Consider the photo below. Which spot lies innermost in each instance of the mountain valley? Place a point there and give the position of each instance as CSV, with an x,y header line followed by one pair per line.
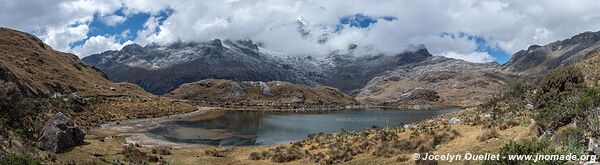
x,y
214,77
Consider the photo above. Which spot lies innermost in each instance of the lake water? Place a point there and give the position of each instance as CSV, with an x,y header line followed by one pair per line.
x,y
266,128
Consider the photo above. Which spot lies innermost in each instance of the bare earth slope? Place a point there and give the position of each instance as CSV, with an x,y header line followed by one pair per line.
x,y
39,70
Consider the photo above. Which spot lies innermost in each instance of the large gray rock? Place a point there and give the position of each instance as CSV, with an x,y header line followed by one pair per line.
x,y
59,134
265,89
594,145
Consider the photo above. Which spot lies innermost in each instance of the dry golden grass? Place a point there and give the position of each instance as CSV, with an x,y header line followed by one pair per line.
x,y
249,93
449,97
115,109
464,140
41,71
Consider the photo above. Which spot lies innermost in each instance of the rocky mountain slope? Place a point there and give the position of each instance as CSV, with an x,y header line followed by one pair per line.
x,y
160,69
411,78
437,82
273,93
539,60
38,70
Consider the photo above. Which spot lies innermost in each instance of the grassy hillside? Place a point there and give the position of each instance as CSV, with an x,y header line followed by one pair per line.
x,y
272,94
38,70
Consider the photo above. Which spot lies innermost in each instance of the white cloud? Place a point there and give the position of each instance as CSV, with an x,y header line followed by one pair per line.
x,y
510,24
60,38
98,44
112,20
479,57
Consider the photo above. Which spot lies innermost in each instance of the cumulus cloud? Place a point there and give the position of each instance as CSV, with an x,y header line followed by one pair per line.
x,y
112,20
60,38
98,44
510,25
478,57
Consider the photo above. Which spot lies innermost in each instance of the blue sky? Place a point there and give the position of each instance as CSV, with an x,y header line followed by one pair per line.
x,y
133,23
483,45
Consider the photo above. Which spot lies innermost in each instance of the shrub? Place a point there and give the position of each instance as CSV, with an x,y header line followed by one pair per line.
x,y
134,155
282,154
9,95
592,122
405,145
217,152
340,154
260,155
385,150
588,111
508,124
403,158
19,159
562,98
527,147
425,162
456,133
10,99
316,158
488,134
425,146
515,95
558,82
443,137
535,129
570,138
518,89
161,150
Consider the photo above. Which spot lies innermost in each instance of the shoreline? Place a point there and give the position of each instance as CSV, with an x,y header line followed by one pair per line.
x,y
132,130
204,110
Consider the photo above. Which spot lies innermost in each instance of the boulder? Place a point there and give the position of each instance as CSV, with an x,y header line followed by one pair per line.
x,y
455,121
594,146
59,134
529,106
265,89
487,115
422,107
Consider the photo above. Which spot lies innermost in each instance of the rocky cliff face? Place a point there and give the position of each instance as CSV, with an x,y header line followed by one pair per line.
x,y
539,60
38,70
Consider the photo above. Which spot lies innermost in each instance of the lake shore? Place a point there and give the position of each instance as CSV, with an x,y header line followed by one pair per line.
x,y
105,146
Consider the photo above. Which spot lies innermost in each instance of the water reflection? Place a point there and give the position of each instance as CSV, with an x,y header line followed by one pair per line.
x,y
265,128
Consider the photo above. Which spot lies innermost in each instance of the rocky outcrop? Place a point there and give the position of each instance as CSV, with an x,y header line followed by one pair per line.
x,y
59,134
539,60
273,93
436,81
265,89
